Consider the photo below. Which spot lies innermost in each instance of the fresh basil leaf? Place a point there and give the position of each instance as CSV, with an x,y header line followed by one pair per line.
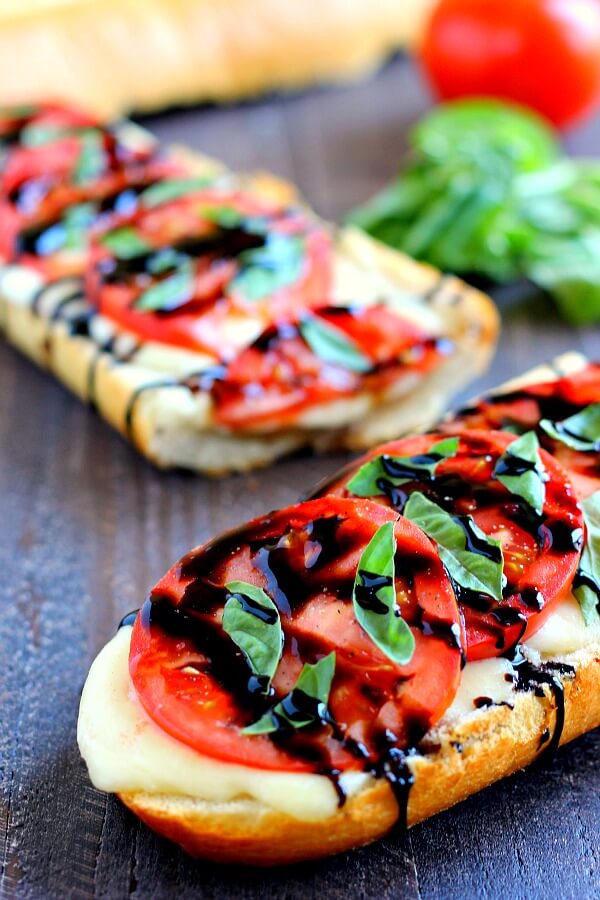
x,y
587,580
267,269
374,598
125,242
479,569
37,134
251,620
92,159
172,189
399,470
580,432
169,294
332,346
224,216
521,471
305,705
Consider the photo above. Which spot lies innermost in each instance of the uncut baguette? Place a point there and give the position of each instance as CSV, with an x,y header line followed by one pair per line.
x,y
172,427
458,759
117,56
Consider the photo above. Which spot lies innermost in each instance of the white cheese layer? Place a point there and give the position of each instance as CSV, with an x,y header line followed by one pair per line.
x,y
126,751
564,632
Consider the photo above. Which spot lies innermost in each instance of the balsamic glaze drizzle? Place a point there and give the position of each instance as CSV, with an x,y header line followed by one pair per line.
x,y
536,678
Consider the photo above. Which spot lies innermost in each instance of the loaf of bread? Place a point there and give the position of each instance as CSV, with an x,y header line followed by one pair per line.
x,y
115,56
506,712
155,392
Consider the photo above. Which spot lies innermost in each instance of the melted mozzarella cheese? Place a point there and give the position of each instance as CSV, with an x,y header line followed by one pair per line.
x,y
126,751
564,632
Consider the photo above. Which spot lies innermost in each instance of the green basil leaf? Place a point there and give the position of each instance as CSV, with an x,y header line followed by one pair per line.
x,y
251,620
400,469
169,294
172,189
92,158
125,242
521,471
36,135
374,598
580,432
267,269
333,346
587,580
77,221
479,570
305,705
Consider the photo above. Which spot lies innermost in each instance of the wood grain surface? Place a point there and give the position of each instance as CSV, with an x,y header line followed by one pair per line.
x,y
87,526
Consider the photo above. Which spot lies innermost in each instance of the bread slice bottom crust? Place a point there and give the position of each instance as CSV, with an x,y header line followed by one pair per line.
x,y
457,761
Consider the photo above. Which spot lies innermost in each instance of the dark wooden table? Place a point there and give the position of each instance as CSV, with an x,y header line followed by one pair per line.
x,y
86,527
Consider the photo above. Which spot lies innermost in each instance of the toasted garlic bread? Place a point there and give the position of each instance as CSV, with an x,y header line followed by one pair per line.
x,y
142,386
506,712
160,53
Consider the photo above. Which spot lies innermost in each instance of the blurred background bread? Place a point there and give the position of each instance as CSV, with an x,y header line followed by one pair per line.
x,y
117,56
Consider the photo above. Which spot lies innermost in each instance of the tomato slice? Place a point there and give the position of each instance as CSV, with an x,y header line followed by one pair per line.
x,y
541,553
523,409
54,188
238,265
276,378
194,682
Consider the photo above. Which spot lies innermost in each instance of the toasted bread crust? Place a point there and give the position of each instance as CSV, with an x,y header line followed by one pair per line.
x,y
169,424
459,760
165,52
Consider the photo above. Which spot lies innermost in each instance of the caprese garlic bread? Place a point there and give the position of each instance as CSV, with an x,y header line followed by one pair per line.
x,y
425,626
210,317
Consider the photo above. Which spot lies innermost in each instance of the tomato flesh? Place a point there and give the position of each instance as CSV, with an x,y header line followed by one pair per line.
x,y
188,225
41,182
194,682
523,409
541,555
274,380
541,53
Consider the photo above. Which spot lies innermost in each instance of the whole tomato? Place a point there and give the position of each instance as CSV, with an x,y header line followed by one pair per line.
x,y
542,53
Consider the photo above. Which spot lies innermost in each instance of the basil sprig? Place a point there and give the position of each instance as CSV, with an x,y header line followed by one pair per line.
x,y
587,580
333,346
267,269
169,294
172,189
580,432
398,470
92,158
251,620
306,704
125,242
374,598
521,471
473,560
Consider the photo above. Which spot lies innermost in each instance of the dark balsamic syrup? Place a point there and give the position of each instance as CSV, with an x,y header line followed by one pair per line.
x,y
128,619
531,677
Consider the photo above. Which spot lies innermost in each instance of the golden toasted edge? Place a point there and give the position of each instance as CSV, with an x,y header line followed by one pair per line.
x,y
460,761
159,53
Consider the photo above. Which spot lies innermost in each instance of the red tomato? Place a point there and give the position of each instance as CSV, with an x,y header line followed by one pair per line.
x,y
39,184
524,408
541,53
279,375
194,682
214,252
541,554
